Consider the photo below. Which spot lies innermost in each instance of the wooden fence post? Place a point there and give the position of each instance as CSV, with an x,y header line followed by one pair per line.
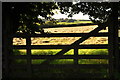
x,y
113,41
7,42
28,44
116,41
76,55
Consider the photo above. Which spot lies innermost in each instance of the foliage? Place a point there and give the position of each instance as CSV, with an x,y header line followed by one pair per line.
x,y
26,14
98,11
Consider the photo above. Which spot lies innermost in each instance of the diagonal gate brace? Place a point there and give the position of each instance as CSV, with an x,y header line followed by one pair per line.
x,y
75,44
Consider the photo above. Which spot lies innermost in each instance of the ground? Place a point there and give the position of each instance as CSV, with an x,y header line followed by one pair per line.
x,y
65,40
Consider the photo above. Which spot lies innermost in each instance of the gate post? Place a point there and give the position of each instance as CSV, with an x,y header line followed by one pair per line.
x,y
29,61
113,41
6,42
76,55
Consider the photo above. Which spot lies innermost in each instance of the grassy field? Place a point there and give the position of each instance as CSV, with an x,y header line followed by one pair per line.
x,y
66,61
70,52
50,23
76,22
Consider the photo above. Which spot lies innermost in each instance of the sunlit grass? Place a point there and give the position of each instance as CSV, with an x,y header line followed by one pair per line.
x,y
93,51
65,23
92,61
55,51
65,61
44,51
76,22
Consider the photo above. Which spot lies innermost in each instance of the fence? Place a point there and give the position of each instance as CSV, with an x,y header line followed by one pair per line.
x,y
75,70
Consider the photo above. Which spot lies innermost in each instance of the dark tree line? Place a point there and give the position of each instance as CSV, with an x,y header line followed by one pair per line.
x,y
98,11
25,15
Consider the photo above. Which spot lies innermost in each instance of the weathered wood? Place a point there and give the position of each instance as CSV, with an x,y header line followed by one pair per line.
x,y
112,40
119,39
62,57
73,75
76,56
29,57
89,66
97,46
7,29
103,34
115,26
58,75
76,43
112,56
29,69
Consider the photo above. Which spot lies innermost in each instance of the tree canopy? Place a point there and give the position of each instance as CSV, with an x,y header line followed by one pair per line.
x,y
98,12
26,14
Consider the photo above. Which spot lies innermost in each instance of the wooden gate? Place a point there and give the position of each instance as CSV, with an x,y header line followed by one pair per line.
x,y
63,71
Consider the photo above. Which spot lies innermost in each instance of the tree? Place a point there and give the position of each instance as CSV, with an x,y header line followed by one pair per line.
x,y
25,15
98,12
